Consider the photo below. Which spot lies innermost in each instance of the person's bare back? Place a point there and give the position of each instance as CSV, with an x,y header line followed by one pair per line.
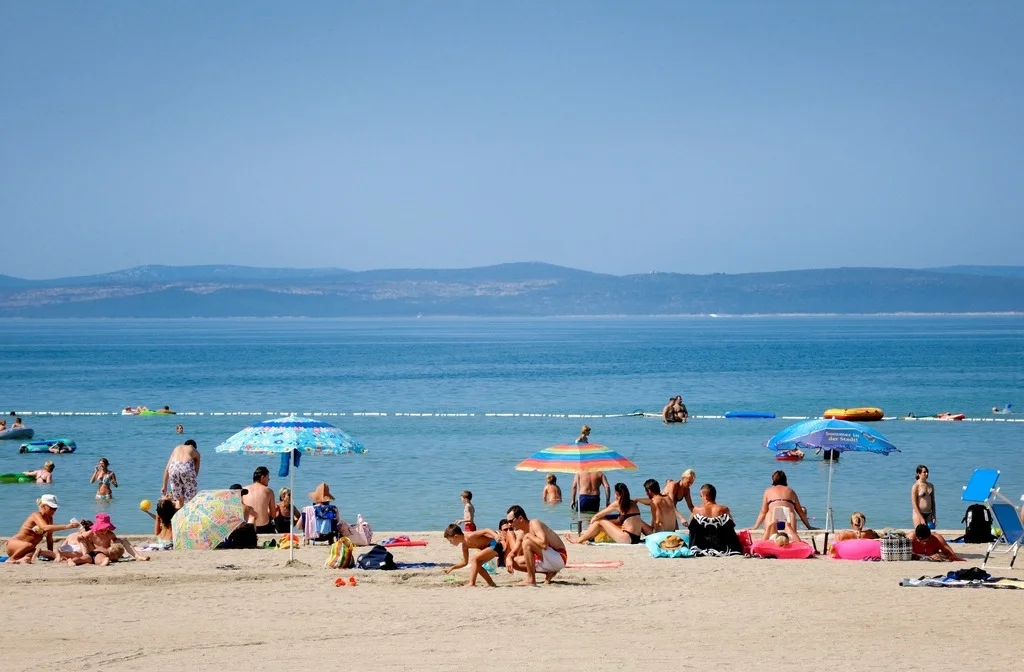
x,y
260,499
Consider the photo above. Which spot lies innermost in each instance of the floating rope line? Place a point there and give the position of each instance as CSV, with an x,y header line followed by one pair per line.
x,y
406,414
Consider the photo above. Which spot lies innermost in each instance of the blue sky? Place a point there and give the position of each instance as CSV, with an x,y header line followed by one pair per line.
x,y
620,137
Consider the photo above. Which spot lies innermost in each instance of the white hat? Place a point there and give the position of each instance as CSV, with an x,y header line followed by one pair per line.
x,y
50,501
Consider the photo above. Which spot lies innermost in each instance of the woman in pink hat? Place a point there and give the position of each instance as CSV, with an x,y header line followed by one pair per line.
x,y
22,546
107,546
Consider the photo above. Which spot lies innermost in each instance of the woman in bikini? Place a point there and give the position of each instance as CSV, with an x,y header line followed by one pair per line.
x,y
44,475
625,529
922,499
22,546
780,495
106,478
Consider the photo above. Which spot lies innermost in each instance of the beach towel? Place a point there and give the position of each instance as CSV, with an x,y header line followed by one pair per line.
x,y
664,545
402,541
421,565
600,564
972,577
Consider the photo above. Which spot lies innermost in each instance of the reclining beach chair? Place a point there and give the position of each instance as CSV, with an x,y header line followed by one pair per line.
x,y
1012,532
982,486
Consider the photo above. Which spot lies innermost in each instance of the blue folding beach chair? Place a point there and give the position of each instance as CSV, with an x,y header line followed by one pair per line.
x,y
1012,532
982,486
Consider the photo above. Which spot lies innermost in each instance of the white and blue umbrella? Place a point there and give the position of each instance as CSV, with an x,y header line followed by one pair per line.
x,y
838,435
292,435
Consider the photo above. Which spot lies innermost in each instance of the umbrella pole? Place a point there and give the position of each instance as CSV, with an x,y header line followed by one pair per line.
x,y
291,518
829,523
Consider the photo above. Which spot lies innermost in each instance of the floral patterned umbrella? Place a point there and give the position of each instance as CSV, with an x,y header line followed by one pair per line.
x,y
207,519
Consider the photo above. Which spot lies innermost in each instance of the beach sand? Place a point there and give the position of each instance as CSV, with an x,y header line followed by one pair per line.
x,y
248,610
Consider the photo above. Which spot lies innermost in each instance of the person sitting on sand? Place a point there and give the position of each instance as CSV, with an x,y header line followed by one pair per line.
x,y
679,491
487,542
21,548
664,515
625,529
288,514
165,510
106,478
536,548
108,546
857,522
77,548
552,493
261,498
780,495
712,528
508,537
44,475
928,545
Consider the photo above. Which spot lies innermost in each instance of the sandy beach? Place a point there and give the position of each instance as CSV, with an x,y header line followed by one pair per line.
x,y
230,609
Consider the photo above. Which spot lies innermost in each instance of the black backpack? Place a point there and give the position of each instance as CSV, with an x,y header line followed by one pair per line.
x,y
979,525
243,536
377,557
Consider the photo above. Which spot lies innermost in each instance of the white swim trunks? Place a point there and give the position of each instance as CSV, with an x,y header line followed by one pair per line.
x,y
551,561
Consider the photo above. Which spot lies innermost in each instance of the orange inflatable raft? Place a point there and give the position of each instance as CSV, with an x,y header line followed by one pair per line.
x,y
854,414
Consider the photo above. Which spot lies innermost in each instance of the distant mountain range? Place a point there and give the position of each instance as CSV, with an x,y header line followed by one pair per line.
x,y
520,289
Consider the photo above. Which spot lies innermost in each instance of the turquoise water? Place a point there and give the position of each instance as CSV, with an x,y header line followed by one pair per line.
x,y
417,465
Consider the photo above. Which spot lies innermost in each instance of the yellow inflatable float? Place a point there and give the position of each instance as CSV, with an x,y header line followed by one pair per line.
x,y
854,414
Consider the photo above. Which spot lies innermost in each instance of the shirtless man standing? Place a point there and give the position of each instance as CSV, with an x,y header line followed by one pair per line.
x,y
536,548
679,491
181,475
261,498
664,515
588,487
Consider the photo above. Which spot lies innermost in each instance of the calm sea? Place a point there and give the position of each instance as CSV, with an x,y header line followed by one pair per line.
x,y
542,369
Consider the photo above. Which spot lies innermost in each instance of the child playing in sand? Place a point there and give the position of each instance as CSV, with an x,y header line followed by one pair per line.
x,y
108,547
44,475
486,542
468,513
552,493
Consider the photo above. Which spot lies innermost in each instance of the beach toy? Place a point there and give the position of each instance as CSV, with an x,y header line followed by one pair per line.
x,y
17,478
857,549
491,566
339,582
145,505
871,414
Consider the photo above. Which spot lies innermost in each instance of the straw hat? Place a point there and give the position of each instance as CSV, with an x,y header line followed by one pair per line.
x,y
321,494
670,542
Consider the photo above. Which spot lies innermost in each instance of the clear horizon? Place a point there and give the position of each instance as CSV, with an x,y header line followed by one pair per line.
x,y
670,137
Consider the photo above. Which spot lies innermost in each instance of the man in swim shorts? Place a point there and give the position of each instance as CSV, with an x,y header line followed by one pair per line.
x,y
588,487
260,497
181,475
536,548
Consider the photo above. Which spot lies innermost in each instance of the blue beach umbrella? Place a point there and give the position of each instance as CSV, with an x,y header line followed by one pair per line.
x,y
838,435
292,435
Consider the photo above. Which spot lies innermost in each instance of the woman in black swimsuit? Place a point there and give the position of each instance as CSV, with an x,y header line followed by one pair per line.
x,y
625,529
281,521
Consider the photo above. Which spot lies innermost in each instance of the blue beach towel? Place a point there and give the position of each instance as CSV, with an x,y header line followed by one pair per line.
x,y
653,542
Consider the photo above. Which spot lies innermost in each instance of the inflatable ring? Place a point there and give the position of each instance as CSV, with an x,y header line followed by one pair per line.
x,y
798,550
17,478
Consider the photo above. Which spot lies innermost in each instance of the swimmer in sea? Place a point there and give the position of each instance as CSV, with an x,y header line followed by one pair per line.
x,y
44,475
106,478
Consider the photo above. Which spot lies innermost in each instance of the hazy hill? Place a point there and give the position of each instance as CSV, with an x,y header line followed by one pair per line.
x,y
507,289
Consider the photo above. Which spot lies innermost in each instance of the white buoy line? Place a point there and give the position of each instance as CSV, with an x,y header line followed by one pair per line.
x,y
406,414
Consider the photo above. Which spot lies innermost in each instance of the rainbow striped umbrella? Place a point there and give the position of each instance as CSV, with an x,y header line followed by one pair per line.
x,y
576,458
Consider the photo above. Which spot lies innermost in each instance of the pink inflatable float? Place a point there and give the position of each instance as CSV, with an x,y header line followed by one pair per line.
x,y
857,549
798,550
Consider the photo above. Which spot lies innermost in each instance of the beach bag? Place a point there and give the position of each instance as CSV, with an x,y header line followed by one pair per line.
x,y
895,546
243,536
978,529
360,533
341,555
377,557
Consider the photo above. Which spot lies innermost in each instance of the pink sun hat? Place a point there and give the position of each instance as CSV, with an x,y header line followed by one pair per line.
x,y
102,523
